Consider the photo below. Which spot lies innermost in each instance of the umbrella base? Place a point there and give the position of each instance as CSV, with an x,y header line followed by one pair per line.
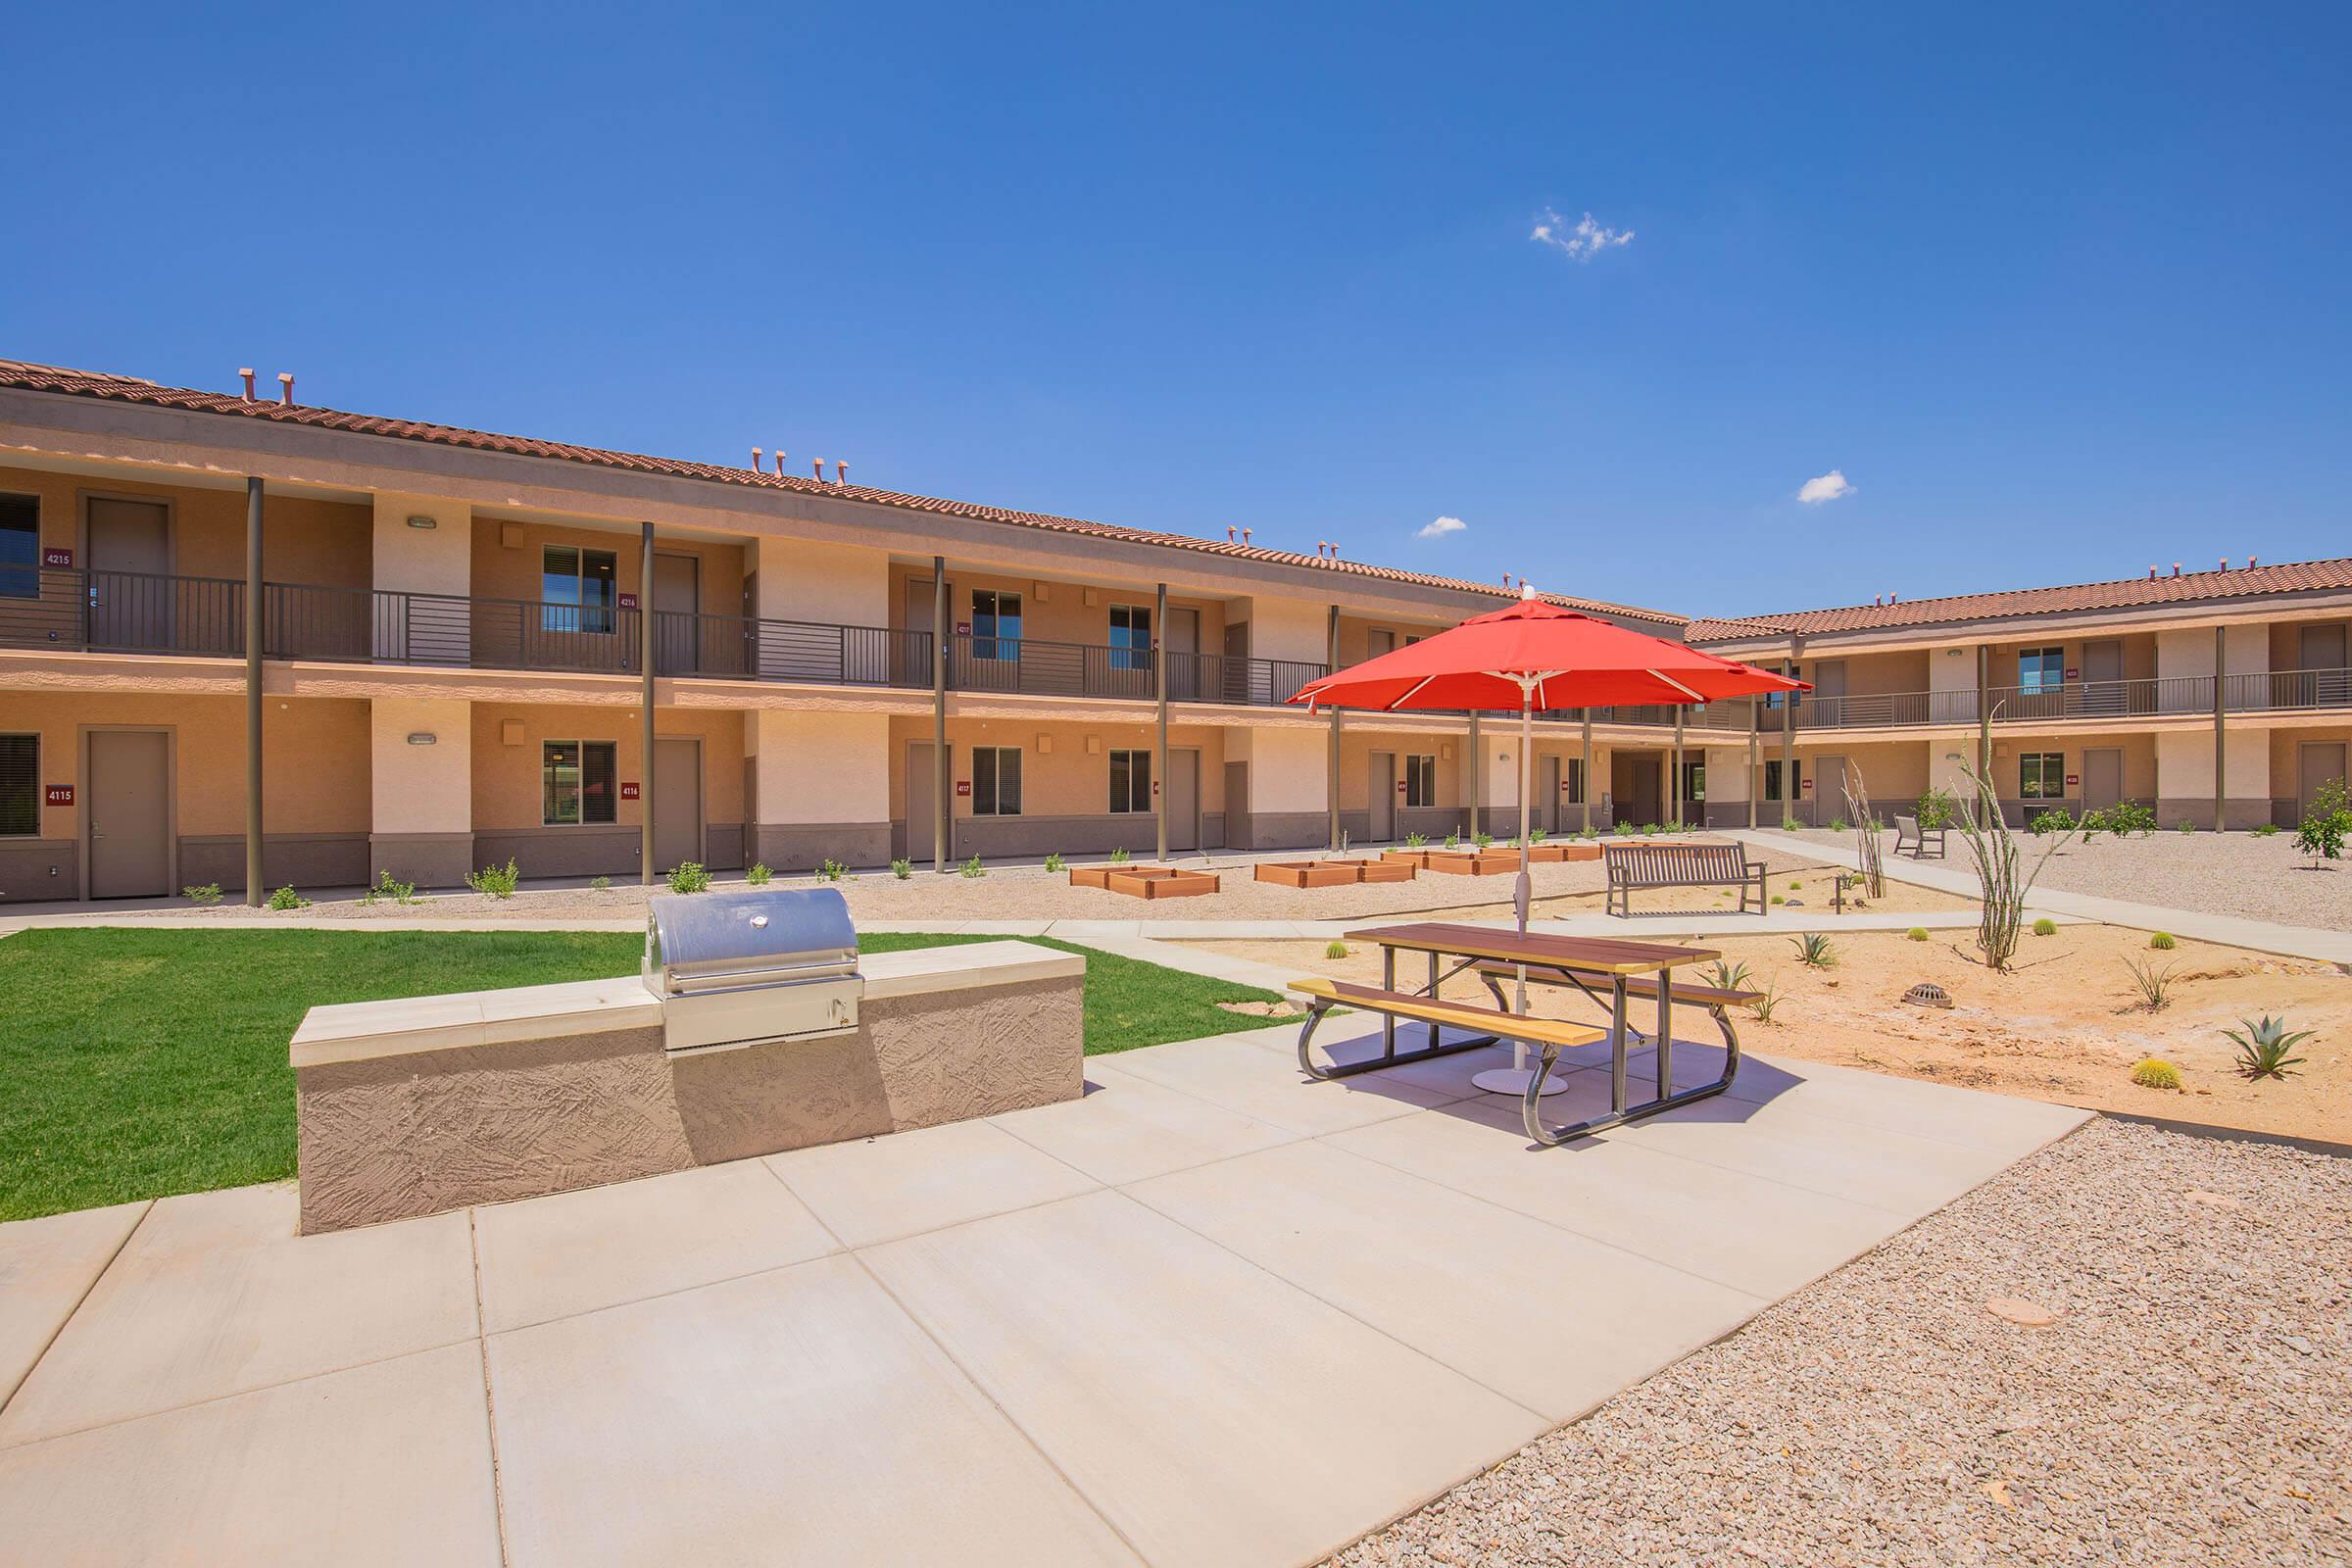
x,y
1513,1081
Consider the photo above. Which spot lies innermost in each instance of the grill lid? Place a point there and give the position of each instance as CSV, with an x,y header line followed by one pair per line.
x,y
783,932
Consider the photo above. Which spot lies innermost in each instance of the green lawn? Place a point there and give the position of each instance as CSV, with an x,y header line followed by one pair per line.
x,y
136,1064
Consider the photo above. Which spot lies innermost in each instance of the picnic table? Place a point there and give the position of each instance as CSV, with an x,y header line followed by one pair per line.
x,y
1504,958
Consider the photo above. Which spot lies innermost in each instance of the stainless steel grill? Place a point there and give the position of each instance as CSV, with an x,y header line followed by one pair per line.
x,y
743,968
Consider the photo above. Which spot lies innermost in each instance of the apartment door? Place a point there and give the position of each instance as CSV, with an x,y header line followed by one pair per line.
x,y
129,814
677,802
677,614
1827,697
922,800
1237,681
127,545
2102,772
1237,806
2325,682
1381,792
2318,762
1639,793
1829,789
2102,690
1183,785
912,661
1546,802
1182,645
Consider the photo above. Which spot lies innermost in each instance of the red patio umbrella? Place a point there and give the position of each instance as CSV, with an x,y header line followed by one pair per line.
x,y
1535,656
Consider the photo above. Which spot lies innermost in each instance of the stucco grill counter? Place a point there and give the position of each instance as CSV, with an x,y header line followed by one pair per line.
x,y
740,968
754,1026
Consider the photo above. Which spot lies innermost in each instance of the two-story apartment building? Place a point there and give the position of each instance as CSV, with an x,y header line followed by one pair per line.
x,y
374,645
234,628
2222,698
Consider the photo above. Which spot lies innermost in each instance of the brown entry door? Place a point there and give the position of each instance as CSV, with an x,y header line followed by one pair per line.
x,y
2323,680
129,813
677,614
2318,762
1184,799
2102,689
922,802
2102,777
677,802
1382,797
130,554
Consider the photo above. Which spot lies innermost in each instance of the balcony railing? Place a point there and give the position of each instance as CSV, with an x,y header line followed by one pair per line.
x,y
2287,689
120,611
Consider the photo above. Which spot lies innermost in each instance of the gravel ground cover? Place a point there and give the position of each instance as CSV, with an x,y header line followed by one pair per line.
x,y
2190,1402
2260,877
1031,893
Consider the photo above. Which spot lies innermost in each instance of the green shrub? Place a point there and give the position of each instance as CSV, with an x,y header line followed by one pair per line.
x,y
1938,807
1789,824
2151,1073
2155,985
493,881
1780,898
2326,823
901,869
1537,835
1414,841
2045,927
832,870
286,899
2129,817
2262,1050
1650,830
1453,841
689,877
1117,856
1918,933
972,867
1839,824
1625,830
1814,951
759,875
1768,999
602,884
385,888
1055,863
2056,820
1482,840
2266,830
209,892
1588,833
2162,942
1334,950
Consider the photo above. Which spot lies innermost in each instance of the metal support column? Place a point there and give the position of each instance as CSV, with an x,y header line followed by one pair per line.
x,y
943,808
1984,808
1755,759
1675,767
1330,784
1160,685
645,703
253,892
2219,738
1789,790
1477,770
1586,801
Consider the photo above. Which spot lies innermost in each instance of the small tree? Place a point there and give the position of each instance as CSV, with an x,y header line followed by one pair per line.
x,y
1936,807
2326,823
2001,886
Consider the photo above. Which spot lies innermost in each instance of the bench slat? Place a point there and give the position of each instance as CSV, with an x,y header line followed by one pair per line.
x,y
1638,985
1426,1009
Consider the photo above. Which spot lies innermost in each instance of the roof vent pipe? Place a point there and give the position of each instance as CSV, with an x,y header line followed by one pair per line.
x,y
247,374
841,473
1228,533
779,463
817,468
758,459
2225,562
2151,574
2252,562
1244,536
285,389
2176,569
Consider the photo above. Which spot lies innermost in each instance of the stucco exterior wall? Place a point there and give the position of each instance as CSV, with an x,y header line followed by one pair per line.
x,y
303,540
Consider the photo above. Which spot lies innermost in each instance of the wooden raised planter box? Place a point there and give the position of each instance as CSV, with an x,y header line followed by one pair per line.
x,y
1575,850
1159,882
1098,876
1310,873
1467,863
1335,873
1416,858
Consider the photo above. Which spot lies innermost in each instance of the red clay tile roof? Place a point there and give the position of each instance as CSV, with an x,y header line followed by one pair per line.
x,y
2286,577
131,389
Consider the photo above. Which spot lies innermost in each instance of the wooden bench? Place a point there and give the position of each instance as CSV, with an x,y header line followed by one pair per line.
x,y
1907,832
1646,866
1550,1035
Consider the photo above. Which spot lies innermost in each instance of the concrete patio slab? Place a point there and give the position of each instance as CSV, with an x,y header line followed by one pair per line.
x,y
215,1293
1213,1412
1126,1128
1231,1070
793,1417
47,1266
880,1189
1752,1234
387,1463
1548,1319
573,1253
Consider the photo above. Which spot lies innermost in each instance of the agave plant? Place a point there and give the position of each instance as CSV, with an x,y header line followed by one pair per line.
x,y
2262,1050
2154,985
1730,976
1814,951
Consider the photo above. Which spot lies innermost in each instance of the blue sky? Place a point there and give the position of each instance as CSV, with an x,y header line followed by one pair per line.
x,y
2060,291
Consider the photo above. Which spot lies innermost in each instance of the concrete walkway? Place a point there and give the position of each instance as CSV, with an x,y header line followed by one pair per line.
x,y
2229,930
1212,1313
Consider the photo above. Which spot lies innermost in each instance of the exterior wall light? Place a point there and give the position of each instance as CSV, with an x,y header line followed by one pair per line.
x,y
420,520
423,738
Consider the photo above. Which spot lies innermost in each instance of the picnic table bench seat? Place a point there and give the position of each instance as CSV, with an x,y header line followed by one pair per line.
x,y
1549,1035
1633,867
1717,1000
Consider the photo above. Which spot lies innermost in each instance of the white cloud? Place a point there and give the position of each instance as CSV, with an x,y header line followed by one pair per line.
x,y
1581,241
1825,487
1439,527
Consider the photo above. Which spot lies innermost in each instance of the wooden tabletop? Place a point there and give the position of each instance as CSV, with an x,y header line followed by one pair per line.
x,y
1603,954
